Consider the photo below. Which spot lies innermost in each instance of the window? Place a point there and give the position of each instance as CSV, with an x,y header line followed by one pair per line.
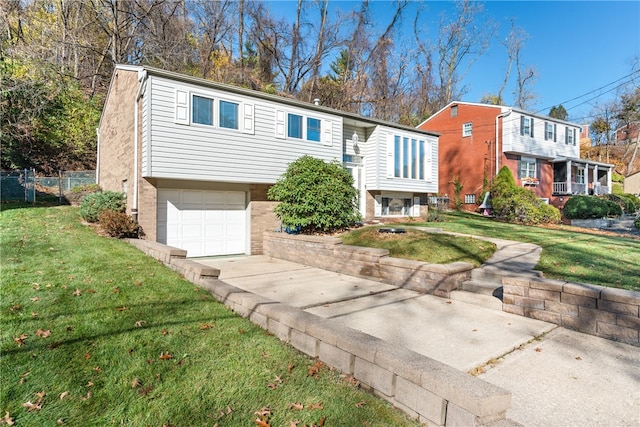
x,y
467,129
228,115
294,126
313,129
580,176
202,110
454,111
549,131
570,136
396,206
527,168
410,158
470,198
526,126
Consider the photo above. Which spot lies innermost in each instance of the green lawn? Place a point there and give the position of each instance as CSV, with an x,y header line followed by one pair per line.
x,y
95,333
578,256
421,246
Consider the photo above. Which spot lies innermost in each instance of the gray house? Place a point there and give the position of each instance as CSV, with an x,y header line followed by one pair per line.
x,y
196,158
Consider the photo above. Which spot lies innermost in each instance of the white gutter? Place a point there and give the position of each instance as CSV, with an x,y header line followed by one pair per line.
x,y
498,117
142,78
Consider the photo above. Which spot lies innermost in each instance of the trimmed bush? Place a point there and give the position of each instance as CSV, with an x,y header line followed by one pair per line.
x,y
315,196
630,203
588,207
94,204
637,223
119,224
520,205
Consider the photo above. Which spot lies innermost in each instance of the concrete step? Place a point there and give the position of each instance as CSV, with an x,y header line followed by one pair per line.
x,y
481,287
492,275
482,300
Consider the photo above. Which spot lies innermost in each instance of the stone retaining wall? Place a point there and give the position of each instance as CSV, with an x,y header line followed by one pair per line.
x,y
596,310
328,253
424,388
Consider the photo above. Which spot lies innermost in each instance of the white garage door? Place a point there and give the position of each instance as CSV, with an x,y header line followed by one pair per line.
x,y
203,222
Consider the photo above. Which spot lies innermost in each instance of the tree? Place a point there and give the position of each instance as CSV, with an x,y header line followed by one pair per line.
x,y
315,196
559,113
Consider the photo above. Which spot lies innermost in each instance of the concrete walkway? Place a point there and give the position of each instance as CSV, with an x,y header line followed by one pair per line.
x,y
556,376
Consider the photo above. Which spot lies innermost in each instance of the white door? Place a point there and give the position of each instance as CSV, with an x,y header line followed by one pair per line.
x,y
203,222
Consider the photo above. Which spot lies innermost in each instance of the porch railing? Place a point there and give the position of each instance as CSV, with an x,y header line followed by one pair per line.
x,y
561,188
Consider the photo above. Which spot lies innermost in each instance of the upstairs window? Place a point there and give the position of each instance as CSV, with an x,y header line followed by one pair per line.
x,y
228,115
202,110
294,126
526,126
410,158
313,129
467,129
570,136
454,111
549,131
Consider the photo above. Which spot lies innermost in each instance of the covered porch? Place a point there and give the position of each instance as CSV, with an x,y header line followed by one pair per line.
x,y
581,176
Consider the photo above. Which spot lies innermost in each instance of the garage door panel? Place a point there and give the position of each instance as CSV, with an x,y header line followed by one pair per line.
x,y
203,222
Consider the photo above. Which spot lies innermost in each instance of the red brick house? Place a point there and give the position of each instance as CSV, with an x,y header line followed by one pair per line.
x,y
543,153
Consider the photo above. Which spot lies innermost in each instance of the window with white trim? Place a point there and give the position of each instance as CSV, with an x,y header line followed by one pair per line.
x,y
301,127
580,175
526,126
470,199
396,206
313,129
228,115
410,157
549,131
570,136
527,168
467,129
202,110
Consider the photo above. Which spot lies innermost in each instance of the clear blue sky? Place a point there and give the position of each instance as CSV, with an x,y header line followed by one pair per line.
x,y
576,47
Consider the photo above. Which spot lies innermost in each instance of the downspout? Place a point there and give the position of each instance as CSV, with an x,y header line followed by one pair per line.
x,y
142,78
498,117
98,156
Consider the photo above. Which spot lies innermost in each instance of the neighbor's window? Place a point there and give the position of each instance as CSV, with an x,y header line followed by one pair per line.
x,y
313,129
527,168
469,198
580,176
202,110
294,126
467,129
392,206
454,111
228,115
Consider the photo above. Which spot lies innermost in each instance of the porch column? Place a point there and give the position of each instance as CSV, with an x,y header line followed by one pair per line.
x,y
569,177
595,180
609,179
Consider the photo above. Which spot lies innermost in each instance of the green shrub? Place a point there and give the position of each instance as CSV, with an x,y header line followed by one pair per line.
x,y
315,196
630,203
520,205
637,223
586,207
94,204
119,224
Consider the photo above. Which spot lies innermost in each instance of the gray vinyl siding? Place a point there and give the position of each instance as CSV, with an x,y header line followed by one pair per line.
x,y
536,145
213,154
376,164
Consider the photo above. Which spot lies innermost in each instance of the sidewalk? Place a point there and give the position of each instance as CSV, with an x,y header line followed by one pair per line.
x,y
556,376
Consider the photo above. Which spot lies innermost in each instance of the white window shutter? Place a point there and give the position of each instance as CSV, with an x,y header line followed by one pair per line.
x,y
390,172
378,206
327,133
428,166
416,207
247,119
280,124
182,107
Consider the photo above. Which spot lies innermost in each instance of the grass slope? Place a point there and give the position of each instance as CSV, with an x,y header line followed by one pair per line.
x,y
95,333
567,254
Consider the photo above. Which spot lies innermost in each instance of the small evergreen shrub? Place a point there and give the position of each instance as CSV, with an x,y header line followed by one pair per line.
x,y
637,223
520,205
630,203
119,224
588,207
94,204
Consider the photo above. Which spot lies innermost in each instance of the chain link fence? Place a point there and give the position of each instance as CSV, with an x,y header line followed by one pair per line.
x,y
24,185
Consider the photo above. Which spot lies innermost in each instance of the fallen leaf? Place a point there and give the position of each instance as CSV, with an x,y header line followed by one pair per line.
x,y
538,349
123,308
24,376
206,326
165,356
360,404
135,383
145,390
138,283
578,358
7,419
87,356
315,406
77,292
314,370
15,307
296,406
290,367
60,421
43,334
164,331
474,330
20,340
241,331
272,386
139,323
63,395
322,420
262,422
31,406
34,314
294,423
263,354
87,397
34,299
449,302
90,384
116,290
97,369
263,412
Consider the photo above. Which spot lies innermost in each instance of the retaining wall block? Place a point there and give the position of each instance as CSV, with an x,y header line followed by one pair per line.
x,y
618,307
584,301
279,330
457,416
425,403
621,295
597,315
360,344
544,315
579,324
521,291
371,374
619,333
582,289
628,321
561,308
336,357
546,284
305,343
544,294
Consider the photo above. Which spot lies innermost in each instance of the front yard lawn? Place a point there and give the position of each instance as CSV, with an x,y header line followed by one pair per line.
x,y
95,333
567,254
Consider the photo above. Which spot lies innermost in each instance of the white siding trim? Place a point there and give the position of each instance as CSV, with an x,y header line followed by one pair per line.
x,y
416,207
247,119
327,132
390,155
378,206
182,107
281,124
